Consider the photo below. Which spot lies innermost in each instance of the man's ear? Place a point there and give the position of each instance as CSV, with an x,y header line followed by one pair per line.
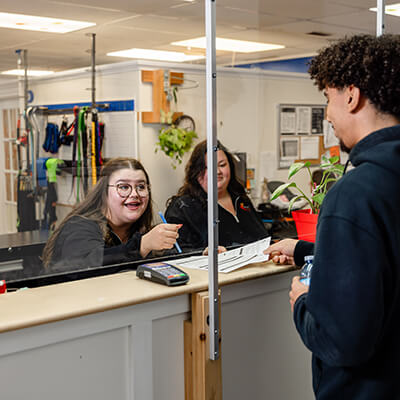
x,y
353,98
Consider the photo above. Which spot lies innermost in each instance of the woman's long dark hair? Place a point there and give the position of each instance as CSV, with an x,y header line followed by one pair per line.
x,y
94,206
196,167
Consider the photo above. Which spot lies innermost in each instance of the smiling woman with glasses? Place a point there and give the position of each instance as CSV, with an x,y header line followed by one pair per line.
x,y
125,189
112,224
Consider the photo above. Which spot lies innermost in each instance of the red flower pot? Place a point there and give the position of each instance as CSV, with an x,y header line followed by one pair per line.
x,y
306,224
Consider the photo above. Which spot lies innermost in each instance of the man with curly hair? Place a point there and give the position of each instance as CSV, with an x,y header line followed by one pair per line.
x,y
349,316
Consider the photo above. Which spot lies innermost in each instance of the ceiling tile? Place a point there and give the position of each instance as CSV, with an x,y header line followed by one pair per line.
x,y
123,24
299,9
366,22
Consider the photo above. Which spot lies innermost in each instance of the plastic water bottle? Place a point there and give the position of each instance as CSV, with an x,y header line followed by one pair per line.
x,y
305,272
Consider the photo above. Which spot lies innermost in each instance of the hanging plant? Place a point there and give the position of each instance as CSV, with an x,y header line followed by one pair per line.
x,y
174,141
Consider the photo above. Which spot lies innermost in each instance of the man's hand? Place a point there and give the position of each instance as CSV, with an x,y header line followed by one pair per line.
x,y
282,252
297,289
221,249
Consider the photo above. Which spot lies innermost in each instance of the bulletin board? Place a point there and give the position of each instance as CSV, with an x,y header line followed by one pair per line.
x,y
300,133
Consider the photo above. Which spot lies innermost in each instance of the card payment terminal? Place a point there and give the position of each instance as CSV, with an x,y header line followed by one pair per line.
x,y
163,273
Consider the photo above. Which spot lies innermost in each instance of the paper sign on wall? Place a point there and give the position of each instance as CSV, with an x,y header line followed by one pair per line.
x,y
309,148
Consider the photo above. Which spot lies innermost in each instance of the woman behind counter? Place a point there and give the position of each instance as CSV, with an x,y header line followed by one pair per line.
x,y
112,224
239,223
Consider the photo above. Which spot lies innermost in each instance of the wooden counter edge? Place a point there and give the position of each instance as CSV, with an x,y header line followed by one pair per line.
x,y
68,300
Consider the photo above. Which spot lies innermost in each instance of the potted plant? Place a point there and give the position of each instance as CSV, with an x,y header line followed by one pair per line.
x,y
173,140
306,220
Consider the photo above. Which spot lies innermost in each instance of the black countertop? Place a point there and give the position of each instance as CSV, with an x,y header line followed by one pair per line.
x,y
21,244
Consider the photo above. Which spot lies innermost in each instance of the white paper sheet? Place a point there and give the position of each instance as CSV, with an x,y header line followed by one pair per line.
x,y
309,148
230,260
330,139
303,120
288,120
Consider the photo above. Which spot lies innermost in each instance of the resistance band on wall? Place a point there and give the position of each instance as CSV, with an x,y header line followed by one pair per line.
x,y
75,143
100,137
83,136
94,140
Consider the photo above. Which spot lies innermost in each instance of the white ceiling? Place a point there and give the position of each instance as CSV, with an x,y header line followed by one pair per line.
x,y
154,24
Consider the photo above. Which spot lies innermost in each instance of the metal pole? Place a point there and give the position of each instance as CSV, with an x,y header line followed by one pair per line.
x,y
23,63
380,17
21,107
93,70
25,79
211,84
94,116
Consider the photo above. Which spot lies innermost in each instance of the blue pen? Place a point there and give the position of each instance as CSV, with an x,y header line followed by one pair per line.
x,y
165,222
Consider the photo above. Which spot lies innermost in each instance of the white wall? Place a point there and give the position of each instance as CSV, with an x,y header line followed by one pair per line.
x,y
247,102
121,127
8,212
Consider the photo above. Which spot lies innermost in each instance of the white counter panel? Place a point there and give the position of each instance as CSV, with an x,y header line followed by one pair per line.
x,y
135,352
262,354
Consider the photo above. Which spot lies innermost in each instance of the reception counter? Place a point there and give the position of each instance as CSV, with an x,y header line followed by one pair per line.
x,y
118,337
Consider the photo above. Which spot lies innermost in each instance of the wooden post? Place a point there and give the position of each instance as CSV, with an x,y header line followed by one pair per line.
x,y
203,377
188,358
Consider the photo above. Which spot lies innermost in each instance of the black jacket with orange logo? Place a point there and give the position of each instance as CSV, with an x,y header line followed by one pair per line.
x,y
245,227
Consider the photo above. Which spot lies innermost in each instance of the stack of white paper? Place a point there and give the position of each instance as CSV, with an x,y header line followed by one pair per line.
x,y
230,260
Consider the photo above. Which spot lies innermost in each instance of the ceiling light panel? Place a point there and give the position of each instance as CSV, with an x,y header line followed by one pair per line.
x,y
158,55
41,24
21,72
391,9
239,46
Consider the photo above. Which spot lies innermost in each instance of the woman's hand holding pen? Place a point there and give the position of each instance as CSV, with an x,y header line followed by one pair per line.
x,y
161,237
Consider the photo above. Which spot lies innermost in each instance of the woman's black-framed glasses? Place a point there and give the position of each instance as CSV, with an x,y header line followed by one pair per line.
x,y
125,189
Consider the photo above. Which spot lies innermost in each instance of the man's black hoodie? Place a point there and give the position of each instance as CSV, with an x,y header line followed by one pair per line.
x,y
350,318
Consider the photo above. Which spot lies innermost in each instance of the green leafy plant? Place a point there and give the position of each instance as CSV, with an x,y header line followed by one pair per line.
x,y
174,141
332,171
